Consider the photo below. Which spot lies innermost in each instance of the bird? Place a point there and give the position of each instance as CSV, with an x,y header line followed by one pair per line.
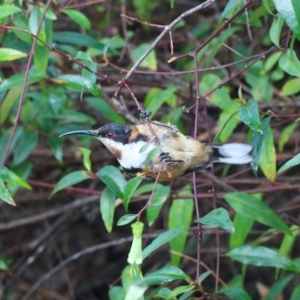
x,y
158,151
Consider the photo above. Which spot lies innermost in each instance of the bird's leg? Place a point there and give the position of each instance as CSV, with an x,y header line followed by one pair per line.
x,y
145,114
165,157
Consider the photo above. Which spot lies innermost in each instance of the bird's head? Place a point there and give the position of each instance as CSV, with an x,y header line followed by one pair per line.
x,y
114,136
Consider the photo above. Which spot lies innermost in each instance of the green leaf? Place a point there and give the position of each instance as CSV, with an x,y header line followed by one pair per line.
x,y
76,38
230,8
116,293
135,292
4,139
163,275
218,217
9,9
161,240
260,256
296,6
290,163
34,20
69,180
253,208
227,122
18,80
86,158
275,30
160,196
180,290
150,61
242,227
287,11
268,5
278,287
129,190
78,17
285,135
204,275
249,115
41,56
235,292
155,98
5,195
257,142
104,109
126,219
114,179
55,145
107,207
8,54
272,60
10,177
180,216
8,102
289,62
296,293
267,160
291,87
89,78
25,146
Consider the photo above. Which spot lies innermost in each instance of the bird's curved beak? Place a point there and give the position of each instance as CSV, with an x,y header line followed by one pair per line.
x,y
93,133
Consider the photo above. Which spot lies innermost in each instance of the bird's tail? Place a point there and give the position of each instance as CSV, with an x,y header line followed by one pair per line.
x,y
234,153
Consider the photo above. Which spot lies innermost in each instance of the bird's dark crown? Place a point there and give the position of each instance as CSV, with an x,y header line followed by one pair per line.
x,y
117,132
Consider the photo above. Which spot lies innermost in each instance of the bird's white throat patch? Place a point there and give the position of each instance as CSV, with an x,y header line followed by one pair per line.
x,y
128,155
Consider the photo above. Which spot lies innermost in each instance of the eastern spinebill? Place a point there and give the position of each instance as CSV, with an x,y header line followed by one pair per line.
x,y
176,155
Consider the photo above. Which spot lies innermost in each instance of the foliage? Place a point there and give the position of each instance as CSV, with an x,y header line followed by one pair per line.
x,y
58,78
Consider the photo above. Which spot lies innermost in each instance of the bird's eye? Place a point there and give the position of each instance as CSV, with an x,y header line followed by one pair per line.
x,y
110,135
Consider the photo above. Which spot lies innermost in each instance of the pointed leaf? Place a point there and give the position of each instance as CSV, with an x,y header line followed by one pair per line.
x,y
107,207
248,113
8,9
180,216
163,275
275,30
289,62
235,292
25,146
149,62
267,160
278,287
261,256
257,142
10,177
18,80
78,17
116,293
130,189
135,292
5,195
69,180
159,198
114,179
290,163
287,11
218,217
285,136
161,240
126,219
251,207
7,54
86,158
242,227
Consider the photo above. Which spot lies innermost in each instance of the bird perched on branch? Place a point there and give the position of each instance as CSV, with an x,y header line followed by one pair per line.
x,y
158,149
